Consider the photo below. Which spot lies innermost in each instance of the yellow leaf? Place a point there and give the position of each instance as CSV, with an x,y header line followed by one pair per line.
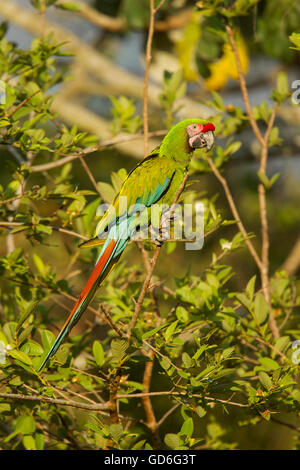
x,y
226,67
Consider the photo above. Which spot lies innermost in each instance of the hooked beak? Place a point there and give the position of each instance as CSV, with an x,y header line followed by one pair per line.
x,y
205,139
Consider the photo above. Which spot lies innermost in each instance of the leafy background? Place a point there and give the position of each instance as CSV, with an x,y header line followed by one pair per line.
x,y
203,351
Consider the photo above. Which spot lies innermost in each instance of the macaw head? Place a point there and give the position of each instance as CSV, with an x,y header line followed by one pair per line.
x,y
187,136
200,135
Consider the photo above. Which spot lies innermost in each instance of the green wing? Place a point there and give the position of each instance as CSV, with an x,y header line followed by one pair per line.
x,y
146,184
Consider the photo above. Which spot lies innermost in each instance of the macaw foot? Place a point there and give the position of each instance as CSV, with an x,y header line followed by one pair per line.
x,y
158,242
159,235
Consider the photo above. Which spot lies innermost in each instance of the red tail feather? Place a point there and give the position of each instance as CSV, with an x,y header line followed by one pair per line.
x,y
93,277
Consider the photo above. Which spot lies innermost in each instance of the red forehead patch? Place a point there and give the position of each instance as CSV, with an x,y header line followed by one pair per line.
x,y
208,127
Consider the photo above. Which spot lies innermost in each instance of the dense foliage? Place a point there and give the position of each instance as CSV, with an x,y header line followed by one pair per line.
x,y
216,349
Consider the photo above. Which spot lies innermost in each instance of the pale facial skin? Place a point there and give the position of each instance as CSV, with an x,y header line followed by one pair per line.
x,y
200,136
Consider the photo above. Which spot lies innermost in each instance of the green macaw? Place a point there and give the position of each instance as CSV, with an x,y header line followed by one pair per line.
x,y
156,179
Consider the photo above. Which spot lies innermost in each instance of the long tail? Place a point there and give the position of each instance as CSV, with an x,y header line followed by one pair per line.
x,y
107,260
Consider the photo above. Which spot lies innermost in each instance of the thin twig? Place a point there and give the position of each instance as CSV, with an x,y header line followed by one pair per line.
x,y
12,112
243,85
263,141
4,223
234,210
113,390
56,401
195,395
167,414
89,150
150,415
90,174
143,291
116,24
146,77
265,242
284,423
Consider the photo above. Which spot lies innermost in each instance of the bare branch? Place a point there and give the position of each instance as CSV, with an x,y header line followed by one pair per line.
x,y
234,210
263,141
243,86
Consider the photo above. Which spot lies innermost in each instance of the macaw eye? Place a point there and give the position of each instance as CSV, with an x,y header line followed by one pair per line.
x,y
194,126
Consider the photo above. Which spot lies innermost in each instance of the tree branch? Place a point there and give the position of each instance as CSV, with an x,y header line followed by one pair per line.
x,y
234,210
56,401
153,262
120,80
263,141
117,24
114,141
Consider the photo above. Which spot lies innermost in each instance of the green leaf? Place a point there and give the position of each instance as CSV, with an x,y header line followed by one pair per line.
x,y
232,148
172,440
243,299
152,332
26,313
182,314
32,88
118,348
107,192
295,39
274,138
187,360
282,343
24,333
39,440
268,363
21,356
21,112
116,431
170,330
261,309
274,179
263,179
29,443
19,229
283,83
200,411
39,264
251,287
69,6
48,339
32,348
25,424
218,100
3,339
117,181
188,427
43,228
98,353
268,183
265,380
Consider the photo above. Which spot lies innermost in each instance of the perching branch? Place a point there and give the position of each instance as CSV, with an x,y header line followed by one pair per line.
x,y
145,286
